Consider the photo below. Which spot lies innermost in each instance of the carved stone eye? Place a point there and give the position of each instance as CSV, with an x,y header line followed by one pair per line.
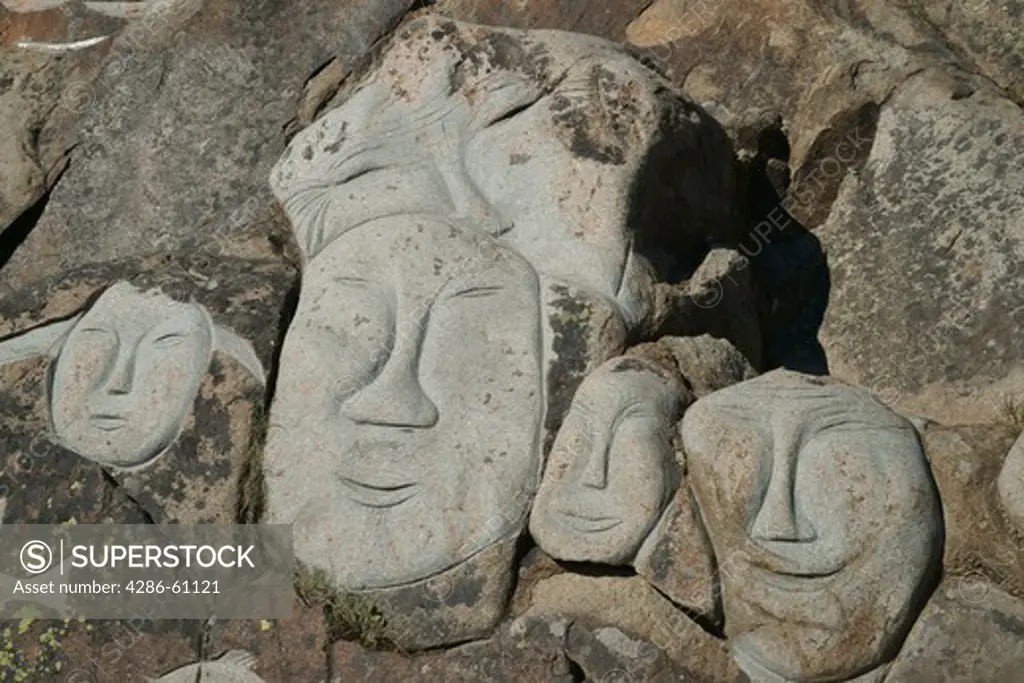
x,y
168,340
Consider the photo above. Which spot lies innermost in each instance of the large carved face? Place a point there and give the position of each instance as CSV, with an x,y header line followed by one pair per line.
x,y
824,520
408,405
608,475
128,374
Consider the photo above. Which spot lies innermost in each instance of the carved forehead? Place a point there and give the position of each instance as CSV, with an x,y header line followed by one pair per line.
x,y
423,247
123,304
782,392
625,380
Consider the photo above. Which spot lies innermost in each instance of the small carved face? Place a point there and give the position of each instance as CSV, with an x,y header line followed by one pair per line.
x,y
606,481
824,519
128,375
408,402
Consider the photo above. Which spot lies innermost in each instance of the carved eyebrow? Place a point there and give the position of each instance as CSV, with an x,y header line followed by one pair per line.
x,y
736,411
635,408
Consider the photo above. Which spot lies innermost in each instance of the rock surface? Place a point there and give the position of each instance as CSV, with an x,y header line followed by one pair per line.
x,y
221,83
173,449
969,631
631,605
926,252
870,185
981,539
678,560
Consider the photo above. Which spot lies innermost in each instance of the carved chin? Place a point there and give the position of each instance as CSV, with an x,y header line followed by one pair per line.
x,y
112,442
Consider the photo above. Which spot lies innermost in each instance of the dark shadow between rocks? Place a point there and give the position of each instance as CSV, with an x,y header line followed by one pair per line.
x,y
741,210
18,231
251,482
788,261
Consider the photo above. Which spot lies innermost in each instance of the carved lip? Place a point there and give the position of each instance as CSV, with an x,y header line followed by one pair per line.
x,y
797,565
589,524
379,495
107,422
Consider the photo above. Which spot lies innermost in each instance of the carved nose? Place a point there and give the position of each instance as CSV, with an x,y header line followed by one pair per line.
x,y
595,467
122,375
395,398
777,520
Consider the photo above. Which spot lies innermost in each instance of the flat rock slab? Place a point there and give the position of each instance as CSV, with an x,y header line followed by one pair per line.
x,y
166,448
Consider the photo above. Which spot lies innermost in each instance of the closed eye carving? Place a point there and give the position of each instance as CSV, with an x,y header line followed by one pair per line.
x,y
360,173
168,340
633,410
351,281
477,292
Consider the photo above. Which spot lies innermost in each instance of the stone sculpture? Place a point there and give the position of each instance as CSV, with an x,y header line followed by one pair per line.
x,y
824,519
612,468
1010,484
413,368
415,402
234,666
127,371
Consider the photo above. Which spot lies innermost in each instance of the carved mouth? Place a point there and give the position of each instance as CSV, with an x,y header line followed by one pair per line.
x,y
108,423
590,525
378,495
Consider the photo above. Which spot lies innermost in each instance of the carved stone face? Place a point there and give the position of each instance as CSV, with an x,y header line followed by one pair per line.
x,y
824,519
128,374
607,478
407,413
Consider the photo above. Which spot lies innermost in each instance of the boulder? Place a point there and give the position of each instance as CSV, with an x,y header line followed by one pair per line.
x,y
708,363
926,250
678,560
824,519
